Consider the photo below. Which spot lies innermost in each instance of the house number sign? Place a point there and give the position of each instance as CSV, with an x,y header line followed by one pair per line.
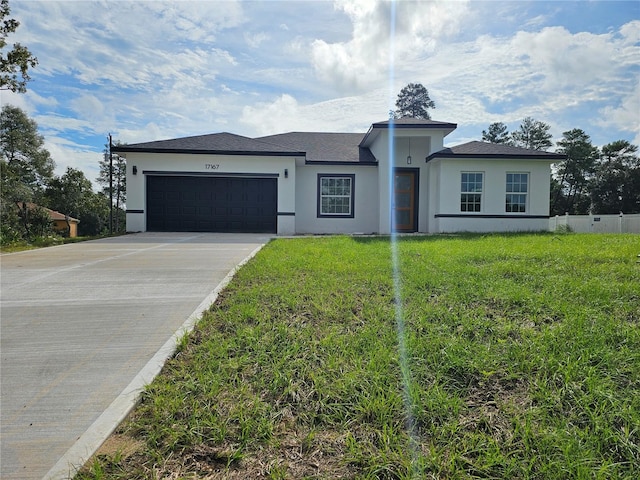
x,y
211,166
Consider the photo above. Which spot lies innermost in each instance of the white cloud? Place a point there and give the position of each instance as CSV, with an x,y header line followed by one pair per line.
x,y
67,154
364,60
202,67
254,40
625,116
347,114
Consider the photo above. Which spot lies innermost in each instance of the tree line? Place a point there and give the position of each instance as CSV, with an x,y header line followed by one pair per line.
x,y
28,183
591,180
27,180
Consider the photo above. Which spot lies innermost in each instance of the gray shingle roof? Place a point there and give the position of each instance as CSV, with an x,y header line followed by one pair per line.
x,y
216,143
325,147
491,150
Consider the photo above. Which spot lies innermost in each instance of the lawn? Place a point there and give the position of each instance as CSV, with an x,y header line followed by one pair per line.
x,y
472,356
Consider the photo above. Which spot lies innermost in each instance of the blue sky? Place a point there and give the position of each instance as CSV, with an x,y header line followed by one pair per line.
x,y
150,70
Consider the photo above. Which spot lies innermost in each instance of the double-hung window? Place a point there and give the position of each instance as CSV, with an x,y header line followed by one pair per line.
x,y
335,195
471,187
517,190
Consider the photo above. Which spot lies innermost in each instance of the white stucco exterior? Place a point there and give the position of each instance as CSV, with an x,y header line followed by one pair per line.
x,y
366,214
445,214
411,152
214,165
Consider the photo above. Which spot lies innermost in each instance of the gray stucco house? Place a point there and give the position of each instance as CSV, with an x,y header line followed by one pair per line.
x,y
397,176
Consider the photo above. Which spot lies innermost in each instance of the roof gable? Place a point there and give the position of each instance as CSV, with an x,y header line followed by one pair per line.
x,y
404,124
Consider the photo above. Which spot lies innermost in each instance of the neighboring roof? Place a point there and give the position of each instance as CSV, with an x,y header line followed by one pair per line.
x,y
492,150
325,147
53,215
216,143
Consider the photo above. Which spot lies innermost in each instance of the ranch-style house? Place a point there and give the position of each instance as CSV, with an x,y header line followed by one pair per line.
x,y
396,177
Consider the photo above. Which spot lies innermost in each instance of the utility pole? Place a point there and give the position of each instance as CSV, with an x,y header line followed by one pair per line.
x,y
110,187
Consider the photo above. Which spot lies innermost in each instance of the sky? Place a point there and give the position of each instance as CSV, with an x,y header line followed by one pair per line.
x,y
153,70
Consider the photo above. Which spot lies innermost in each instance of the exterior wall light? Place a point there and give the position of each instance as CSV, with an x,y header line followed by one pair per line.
x,y
286,173
408,159
135,170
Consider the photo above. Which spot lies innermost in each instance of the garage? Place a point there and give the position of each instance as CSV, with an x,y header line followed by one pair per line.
x,y
211,204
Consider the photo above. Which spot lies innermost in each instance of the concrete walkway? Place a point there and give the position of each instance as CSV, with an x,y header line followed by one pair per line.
x,y
84,326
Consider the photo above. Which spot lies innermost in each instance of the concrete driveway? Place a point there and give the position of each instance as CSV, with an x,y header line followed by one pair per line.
x,y
84,326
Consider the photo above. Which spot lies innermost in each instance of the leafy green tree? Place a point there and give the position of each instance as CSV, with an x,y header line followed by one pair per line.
x,y
69,193
616,183
14,63
22,150
497,133
574,174
94,216
114,184
557,198
414,101
26,168
533,135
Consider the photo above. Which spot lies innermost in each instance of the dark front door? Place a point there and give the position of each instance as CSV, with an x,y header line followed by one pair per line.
x,y
212,204
404,210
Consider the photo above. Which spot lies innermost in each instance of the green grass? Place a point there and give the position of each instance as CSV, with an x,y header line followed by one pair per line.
x,y
521,360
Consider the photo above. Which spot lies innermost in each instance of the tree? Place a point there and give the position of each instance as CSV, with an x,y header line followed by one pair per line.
x,y
16,61
28,165
25,169
574,173
94,219
533,135
69,194
73,195
413,101
113,178
497,133
616,183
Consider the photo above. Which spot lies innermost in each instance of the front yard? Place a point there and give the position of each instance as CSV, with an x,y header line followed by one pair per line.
x,y
474,356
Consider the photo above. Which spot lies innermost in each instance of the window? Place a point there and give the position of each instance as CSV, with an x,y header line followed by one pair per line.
x,y
335,195
517,189
471,192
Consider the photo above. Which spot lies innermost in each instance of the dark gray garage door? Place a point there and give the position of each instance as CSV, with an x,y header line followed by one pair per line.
x,y
212,204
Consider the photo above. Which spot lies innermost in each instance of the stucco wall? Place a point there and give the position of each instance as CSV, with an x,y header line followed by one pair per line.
x,y
447,201
365,203
418,143
217,165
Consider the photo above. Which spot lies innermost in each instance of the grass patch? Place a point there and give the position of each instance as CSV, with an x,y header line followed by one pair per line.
x,y
522,359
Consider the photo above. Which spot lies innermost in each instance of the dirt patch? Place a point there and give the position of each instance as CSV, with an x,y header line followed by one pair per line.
x,y
122,445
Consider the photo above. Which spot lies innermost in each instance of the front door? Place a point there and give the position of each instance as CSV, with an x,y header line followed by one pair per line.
x,y
404,211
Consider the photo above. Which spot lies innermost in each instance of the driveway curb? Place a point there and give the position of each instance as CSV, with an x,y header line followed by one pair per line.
x,y
90,441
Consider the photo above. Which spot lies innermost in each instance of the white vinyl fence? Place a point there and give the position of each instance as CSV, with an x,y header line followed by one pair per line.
x,y
597,223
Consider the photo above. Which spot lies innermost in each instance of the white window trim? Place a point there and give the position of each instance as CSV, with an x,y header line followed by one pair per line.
x,y
526,194
351,196
481,193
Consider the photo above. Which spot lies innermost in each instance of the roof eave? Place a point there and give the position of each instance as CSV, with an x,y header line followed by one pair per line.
x,y
436,126
208,152
552,157
340,162
447,127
